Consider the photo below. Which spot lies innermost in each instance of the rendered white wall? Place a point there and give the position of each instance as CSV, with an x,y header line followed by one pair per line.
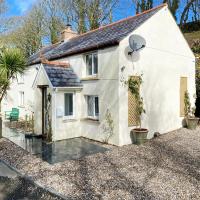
x,y
12,98
107,90
67,128
162,62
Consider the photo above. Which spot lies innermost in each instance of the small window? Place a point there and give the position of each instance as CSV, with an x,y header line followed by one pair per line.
x,y
20,78
93,106
92,64
69,110
21,98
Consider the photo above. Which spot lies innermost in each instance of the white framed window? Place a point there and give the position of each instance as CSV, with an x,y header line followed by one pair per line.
x,y
92,64
21,98
69,107
92,106
20,78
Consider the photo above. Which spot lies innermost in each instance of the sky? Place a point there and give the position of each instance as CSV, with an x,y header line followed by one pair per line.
x,y
19,7
124,9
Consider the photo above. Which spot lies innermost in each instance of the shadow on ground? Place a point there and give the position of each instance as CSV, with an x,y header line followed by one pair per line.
x,y
22,189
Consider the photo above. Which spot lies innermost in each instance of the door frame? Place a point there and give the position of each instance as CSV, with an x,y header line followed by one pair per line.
x,y
43,89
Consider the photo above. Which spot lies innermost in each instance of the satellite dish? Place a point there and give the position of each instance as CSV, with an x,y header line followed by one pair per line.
x,y
136,43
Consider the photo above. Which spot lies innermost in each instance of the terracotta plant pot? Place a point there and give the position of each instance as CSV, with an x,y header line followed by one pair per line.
x,y
192,122
140,135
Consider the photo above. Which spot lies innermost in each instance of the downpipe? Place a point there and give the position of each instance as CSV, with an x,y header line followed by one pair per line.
x,y
1,126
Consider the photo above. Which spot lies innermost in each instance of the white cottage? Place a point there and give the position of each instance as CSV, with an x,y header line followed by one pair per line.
x,y
79,87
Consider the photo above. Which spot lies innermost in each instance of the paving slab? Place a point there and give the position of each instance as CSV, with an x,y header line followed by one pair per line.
x,y
55,152
6,171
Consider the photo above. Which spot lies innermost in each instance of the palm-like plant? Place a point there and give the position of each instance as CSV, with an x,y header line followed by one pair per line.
x,y
12,63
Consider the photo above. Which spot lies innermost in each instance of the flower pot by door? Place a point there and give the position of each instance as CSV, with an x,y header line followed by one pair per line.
x,y
192,122
140,135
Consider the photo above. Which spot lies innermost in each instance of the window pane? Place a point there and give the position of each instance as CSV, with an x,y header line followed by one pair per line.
x,y
90,102
68,104
95,63
89,64
96,106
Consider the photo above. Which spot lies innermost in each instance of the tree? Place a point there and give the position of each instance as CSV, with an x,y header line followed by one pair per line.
x,y
12,63
173,6
3,9
79,8
27,32
142,5
99,12
196,10
2,6
196,6
91,14
55,17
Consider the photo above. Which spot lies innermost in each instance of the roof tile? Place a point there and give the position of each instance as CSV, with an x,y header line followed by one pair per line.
x,y
62,77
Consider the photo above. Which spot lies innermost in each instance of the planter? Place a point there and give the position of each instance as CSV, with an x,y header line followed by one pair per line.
x,y
192,122
140,135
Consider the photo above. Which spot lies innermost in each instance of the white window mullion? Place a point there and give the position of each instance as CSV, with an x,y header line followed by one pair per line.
x,y
93,99
69,105
93,70
92,106
92,64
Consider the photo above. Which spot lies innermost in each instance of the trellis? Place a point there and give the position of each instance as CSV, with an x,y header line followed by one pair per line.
x,y
133,114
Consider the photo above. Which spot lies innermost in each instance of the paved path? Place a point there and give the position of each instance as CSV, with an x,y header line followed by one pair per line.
x,y
55,152
5,171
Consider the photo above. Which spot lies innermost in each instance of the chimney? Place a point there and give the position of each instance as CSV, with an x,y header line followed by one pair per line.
x,y
68,33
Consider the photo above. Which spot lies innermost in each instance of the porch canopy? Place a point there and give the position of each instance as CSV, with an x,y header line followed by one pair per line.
x,y
61,76
58,75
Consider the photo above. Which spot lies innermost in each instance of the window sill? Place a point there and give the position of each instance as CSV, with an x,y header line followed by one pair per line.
x,y
90,78
90,119
21,106
67,119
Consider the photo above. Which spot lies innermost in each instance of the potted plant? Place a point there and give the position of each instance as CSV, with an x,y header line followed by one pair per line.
x,y
140,134
191,120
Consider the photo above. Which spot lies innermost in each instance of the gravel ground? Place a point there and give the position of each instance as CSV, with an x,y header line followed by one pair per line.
x,y
22,189
167,167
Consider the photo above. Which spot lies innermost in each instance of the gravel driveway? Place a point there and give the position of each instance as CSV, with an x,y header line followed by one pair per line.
x,y
21,189
167,167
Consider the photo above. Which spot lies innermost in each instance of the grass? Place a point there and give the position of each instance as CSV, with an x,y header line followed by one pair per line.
x,y
190,37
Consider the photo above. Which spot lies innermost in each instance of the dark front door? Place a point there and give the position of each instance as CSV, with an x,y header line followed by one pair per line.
x,y
43,89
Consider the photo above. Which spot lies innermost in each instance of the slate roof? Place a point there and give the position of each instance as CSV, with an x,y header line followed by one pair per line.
x,y
105,36
34,58
60,76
